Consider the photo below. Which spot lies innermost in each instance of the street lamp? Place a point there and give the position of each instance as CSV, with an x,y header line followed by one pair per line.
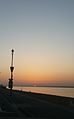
x,y
11,70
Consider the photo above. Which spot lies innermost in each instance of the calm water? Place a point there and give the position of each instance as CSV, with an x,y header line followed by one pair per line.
x,y
67,92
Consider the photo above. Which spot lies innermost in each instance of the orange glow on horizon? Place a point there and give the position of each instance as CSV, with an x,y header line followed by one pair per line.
x,y
37,76
43,78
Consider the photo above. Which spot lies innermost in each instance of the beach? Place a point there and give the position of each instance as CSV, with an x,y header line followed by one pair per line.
x,y
22,104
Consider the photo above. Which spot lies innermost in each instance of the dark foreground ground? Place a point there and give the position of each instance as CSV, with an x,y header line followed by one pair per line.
x,y
27,105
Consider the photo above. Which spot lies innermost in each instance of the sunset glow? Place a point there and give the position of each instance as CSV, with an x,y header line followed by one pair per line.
x,y
41,33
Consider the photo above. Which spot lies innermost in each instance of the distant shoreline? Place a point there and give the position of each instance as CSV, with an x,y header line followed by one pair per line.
x,y
45,86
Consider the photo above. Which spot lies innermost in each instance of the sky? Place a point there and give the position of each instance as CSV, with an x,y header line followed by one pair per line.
x,y
41,32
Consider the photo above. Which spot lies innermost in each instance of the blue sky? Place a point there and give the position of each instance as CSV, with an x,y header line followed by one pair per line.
x,y
42,34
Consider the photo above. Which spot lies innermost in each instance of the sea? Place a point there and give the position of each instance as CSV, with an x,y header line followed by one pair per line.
x,y
59,91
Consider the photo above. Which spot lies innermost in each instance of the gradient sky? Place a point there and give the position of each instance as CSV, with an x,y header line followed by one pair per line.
x,y
42,34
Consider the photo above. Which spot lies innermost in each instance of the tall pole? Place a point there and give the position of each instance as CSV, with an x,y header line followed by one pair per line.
x,y
11,70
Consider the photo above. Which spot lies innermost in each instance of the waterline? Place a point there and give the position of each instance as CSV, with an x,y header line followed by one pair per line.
x,y
67,92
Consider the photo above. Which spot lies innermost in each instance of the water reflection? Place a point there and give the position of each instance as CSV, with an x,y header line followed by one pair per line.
x,y
67,92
